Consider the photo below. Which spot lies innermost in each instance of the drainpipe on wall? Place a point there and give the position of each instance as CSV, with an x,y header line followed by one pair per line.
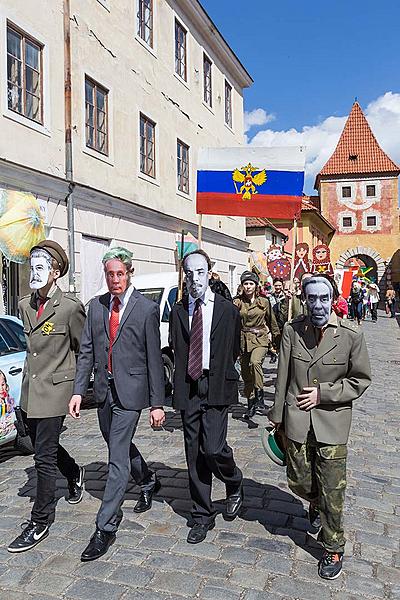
x,y
69,174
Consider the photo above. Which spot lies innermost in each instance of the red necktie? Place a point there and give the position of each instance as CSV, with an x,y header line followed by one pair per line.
x,y
42,302
195,362
114,323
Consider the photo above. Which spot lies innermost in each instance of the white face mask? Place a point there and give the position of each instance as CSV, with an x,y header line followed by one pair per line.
x,y
40,267
197,275
319,303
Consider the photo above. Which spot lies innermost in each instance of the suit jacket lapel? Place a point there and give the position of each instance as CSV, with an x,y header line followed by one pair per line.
x,y
128,309
49,311
105,302
183,313
327,344
217,312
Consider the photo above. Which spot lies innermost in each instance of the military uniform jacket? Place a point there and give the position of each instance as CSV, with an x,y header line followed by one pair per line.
x,y
339,366
52,342
259,317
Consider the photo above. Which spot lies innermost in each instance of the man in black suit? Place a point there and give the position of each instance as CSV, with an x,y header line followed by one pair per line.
x,y
205,336
121,344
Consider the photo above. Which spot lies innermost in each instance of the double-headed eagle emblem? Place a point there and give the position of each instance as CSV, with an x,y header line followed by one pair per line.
x,y
245,176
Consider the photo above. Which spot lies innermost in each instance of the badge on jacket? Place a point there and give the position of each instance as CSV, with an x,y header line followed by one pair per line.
x,y
47,328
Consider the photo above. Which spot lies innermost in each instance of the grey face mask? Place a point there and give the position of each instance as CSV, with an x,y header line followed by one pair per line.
x,y
318,294
197,275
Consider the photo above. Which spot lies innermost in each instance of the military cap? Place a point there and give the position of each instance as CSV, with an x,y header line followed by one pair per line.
x,y
249,276
56,252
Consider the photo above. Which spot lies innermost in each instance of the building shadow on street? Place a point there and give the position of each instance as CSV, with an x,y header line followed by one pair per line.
x,y
278,511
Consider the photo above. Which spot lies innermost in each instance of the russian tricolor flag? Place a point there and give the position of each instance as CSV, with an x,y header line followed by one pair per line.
x,y
250,182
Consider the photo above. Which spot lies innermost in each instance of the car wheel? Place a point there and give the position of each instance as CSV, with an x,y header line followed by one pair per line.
x,y
168,374
24,445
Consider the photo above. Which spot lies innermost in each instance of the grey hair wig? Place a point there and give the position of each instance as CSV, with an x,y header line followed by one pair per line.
x,y
119,253
320,279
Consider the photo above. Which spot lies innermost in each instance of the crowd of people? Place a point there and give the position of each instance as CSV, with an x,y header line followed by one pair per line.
x,y
323,367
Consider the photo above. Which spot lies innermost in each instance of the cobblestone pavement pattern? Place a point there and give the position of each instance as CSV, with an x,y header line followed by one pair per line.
x,y
266,553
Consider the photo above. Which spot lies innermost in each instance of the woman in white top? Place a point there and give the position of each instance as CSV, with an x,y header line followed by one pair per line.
x,y
373,297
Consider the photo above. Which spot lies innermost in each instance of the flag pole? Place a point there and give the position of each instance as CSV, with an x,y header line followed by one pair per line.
x,y
180,274
294,244
200,230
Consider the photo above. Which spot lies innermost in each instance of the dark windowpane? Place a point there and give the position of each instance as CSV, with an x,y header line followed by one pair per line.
x,y
24,75
371,221
145,21
32,55
182,153
207,67
147,146
180,50
347,221
14,43
371,190
96,116
228,104
346,191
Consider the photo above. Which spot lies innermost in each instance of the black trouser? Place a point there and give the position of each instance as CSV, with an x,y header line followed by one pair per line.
x,y
45,436
207,453
374,311
118,426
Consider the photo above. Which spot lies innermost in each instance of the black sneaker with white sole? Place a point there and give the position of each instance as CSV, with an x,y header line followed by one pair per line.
x,y
76,487
30,537
330,565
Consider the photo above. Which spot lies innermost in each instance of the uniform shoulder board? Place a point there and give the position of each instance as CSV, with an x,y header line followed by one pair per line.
x,y
298,319
349,325
71,296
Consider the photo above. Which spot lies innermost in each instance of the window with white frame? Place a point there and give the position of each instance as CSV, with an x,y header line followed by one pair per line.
x,y
96,116
24,74
182,155
346,191
207,80
347,222
147,146
371,221
228,104
180,50
232,278
371,191
145,21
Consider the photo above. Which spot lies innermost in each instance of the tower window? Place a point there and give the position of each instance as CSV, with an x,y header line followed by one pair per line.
x,y
347,222
346,191
371,221
371,191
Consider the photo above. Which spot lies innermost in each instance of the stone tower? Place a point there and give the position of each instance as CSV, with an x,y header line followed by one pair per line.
x,y
358,189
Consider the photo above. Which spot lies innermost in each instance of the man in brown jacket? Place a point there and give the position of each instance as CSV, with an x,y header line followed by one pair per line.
x,y
53,323
323,367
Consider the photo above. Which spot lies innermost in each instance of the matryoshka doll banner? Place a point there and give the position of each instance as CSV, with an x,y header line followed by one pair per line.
x,y
278,264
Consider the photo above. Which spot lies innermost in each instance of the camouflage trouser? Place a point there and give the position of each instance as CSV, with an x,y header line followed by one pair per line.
x,y
317,473
251,369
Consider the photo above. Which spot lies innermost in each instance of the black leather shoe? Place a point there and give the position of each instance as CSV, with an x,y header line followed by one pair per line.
x,y
98,545
145,499
76,487
251,409
259,401
234,503
198,532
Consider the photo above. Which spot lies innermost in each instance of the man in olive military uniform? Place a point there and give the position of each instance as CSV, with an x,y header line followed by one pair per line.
x,y
53,323
323,367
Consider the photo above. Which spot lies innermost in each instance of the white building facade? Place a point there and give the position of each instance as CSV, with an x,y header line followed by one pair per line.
x,y
151,81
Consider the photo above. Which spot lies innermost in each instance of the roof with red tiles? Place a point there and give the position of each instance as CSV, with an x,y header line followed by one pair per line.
x,y
260,222
357,150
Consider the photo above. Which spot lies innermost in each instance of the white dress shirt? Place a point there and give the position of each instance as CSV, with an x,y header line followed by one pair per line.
x,y
207,309
123,298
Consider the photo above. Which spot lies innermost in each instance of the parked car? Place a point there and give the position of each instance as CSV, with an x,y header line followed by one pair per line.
x,y
163,289
12,358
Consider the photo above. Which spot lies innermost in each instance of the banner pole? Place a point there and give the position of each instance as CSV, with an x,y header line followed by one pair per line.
x,y
292,265
200,230
180,274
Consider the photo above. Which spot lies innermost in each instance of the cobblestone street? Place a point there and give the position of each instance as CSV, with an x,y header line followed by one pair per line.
x,y
266,553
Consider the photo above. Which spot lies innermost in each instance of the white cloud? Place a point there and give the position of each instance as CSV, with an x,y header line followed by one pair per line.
x,y
383,115
258,116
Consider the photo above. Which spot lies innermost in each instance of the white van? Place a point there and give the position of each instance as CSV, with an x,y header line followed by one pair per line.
x,y
163,289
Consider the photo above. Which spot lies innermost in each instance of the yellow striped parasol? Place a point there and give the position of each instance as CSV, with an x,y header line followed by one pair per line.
x,y
21,224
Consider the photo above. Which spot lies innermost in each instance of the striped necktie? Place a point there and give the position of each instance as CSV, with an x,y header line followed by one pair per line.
x,y
114,323
195,362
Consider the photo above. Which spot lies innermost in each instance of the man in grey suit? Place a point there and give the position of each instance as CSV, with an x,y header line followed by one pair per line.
x,y
121,344
323,367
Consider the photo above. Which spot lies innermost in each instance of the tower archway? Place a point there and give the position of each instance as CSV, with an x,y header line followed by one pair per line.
x,y
369,256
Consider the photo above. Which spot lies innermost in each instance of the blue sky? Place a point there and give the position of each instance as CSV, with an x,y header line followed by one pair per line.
x,y
309,59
